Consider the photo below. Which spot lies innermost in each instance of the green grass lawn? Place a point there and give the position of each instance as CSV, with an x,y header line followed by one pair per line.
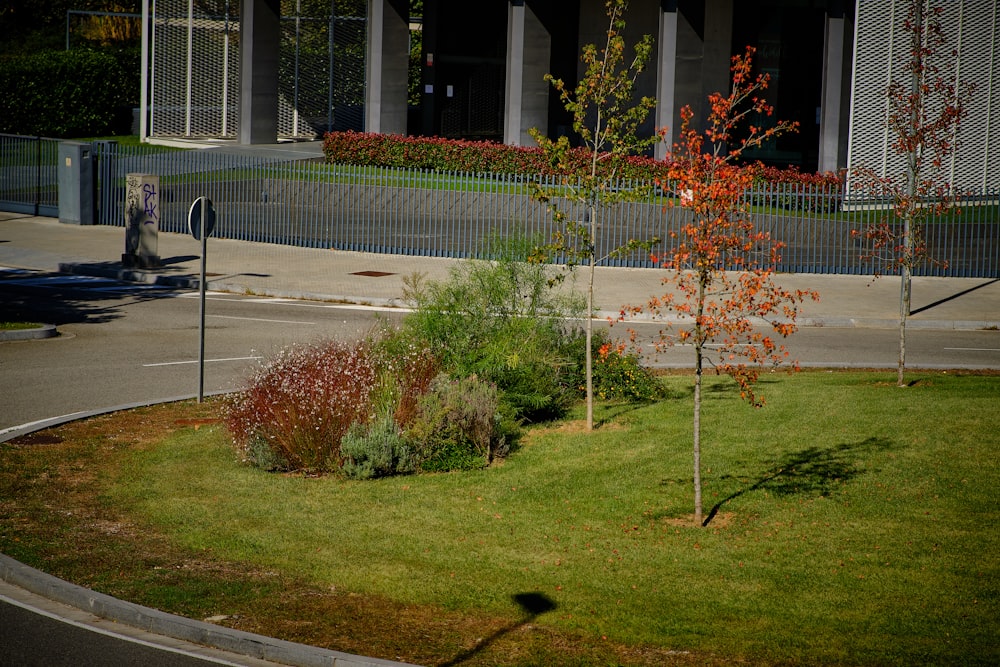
x,y
854,522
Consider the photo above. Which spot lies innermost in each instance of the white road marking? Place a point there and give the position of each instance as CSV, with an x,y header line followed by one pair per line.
x,y
258,319
194,361
973,349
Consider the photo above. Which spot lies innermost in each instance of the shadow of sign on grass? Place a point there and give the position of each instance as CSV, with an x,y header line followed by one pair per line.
x,y
532,604
813,471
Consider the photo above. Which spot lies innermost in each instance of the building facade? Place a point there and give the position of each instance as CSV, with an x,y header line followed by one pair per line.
x,y
257,71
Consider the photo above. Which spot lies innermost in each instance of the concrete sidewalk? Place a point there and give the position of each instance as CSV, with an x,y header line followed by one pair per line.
x,y
367,278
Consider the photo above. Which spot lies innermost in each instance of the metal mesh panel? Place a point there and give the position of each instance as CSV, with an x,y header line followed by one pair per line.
x,y
195,69
981,64
348,88
321,74
881,50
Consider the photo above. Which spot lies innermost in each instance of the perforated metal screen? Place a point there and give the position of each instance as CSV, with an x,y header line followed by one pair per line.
x,y
881,49
195,56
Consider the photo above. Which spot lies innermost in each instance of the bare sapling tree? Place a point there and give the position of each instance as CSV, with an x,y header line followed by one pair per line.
x,y
720,266
924,110
606,119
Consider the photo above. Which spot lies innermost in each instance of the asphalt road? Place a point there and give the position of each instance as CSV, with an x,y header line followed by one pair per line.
x,y
123,343
38,633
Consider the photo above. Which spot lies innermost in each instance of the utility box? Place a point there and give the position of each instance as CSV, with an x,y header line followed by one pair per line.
x,y
76,183
142,221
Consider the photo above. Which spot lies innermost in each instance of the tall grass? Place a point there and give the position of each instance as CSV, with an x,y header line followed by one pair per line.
x,y
853,522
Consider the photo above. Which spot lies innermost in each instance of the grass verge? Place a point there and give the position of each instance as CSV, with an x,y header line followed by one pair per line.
x,y
18,326
853,524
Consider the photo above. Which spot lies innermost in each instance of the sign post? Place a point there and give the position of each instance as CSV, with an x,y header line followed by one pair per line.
x,y
201,222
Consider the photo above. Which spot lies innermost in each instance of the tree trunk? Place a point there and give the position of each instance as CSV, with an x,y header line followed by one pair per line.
x,y
698,344
697,436
904,312
589,358
590,352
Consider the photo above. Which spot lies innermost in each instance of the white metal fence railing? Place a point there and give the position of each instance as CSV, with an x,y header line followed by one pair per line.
x,y
308,203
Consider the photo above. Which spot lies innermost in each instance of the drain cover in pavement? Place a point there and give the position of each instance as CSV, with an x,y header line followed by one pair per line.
x,y
372,274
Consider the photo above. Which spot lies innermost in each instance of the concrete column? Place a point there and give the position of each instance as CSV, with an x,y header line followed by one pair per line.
x,y
144,74
718,49
387,62
666,74
526,95
831,100
704,45
428,98
260,37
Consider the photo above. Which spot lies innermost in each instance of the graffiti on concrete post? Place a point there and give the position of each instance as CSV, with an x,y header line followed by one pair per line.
x,y
142,220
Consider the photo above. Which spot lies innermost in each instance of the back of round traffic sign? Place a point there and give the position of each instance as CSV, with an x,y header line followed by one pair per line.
x,y
195,215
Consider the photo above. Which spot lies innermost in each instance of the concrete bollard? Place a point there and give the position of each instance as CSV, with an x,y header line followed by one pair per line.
x,y
142,221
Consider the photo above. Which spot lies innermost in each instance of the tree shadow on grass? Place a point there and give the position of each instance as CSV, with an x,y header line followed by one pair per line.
x,y
813,471
532,604
608,413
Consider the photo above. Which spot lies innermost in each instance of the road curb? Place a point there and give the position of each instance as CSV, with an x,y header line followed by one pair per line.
x,y
178,627
34,333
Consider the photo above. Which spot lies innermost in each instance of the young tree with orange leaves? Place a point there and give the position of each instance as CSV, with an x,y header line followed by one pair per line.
x,y
924,112
720,265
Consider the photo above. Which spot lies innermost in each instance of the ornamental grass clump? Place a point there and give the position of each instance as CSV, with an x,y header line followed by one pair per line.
x,y
293,411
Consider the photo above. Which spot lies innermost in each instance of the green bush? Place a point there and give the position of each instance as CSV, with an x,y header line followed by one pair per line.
x,y
499,318
78,93
459,426
377,449
619,375
260,454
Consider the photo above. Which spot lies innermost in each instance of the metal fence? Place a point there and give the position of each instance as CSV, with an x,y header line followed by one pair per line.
x,y
29,175
308,203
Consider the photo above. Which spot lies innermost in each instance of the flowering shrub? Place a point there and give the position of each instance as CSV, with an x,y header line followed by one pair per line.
x,y
294,411
298,405
618,375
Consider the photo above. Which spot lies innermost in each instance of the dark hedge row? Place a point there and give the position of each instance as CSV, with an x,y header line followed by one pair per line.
x,y
66,94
